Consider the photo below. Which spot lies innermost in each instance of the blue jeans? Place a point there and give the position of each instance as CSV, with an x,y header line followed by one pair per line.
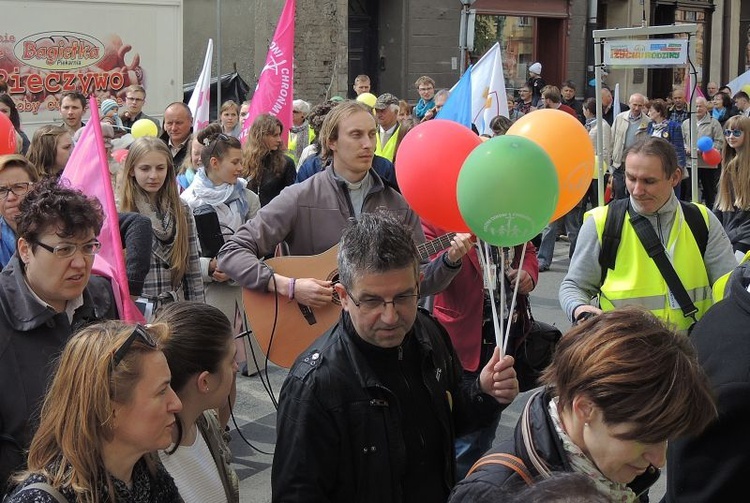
x,y
572,221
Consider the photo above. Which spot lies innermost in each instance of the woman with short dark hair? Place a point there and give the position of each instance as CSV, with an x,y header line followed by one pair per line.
x,y
621,384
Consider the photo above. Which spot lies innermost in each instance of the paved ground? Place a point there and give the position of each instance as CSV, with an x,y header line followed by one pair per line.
x,y
256,417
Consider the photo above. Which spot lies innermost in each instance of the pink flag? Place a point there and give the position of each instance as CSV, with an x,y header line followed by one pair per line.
x,y
275,91
200,99
689,88
88,171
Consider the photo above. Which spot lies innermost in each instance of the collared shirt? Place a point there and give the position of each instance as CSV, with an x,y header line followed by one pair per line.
x,y
70,306
175,149
385,134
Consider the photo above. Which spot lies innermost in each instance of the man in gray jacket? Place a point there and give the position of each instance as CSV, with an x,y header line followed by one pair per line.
x,y
309,217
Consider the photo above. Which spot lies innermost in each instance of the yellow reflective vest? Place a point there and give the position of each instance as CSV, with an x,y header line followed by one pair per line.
x,y
721,283
292,144
389,149
636,280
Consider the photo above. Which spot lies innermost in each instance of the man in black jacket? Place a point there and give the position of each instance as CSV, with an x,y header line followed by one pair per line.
x,y
715,465
370,411
46,294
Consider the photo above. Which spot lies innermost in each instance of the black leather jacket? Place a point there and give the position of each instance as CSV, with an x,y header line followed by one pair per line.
x,y
500,480
339,433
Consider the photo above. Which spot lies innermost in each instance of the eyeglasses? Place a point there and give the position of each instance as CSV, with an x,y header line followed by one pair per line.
x,y
376,304
139,332
66,250
133,98
733,132
18,189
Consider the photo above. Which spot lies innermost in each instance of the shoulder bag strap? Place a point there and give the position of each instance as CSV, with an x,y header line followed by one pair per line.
x,y
656,251
45,487
513,462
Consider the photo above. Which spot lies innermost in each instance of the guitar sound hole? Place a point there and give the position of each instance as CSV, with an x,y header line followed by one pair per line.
x,y
333,277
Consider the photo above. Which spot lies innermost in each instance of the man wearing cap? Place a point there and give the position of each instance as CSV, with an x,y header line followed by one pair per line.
x,y
536,83
386,112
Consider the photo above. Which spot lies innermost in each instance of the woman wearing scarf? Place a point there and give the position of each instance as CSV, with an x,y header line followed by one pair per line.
x,y
148,187
620,386
218,190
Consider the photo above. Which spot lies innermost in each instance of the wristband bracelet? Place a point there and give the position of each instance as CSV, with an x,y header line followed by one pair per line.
x,y
291,288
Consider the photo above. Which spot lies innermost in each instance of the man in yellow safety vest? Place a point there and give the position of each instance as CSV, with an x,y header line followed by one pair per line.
x,y
651,173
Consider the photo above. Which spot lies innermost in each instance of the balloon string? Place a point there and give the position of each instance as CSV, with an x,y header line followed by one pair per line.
x,y
515,296
503,303
485,259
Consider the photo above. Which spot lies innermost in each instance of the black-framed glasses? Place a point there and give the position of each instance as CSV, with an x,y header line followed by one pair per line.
x,y
66,250
140,333
18,189
376,304
733,132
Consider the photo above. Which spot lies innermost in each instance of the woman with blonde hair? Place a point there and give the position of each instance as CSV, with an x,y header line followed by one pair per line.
x,y
733,199
109,406
50,150
229,118
200,351
267,167
149,188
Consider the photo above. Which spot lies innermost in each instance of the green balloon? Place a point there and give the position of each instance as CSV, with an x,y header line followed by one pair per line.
x,y
507,190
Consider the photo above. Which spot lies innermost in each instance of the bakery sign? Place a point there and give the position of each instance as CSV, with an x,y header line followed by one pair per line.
x,y
38,68
646,53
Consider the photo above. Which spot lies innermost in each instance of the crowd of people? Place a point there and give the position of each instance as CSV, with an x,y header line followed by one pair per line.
x,y
401,398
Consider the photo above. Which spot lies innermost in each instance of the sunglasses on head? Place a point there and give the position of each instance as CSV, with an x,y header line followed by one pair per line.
x,y
733,132
139,332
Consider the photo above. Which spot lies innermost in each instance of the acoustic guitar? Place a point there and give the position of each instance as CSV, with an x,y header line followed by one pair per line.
x,y
284,328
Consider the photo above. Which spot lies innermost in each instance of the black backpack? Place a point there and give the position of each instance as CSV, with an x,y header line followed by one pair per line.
x,y
613,231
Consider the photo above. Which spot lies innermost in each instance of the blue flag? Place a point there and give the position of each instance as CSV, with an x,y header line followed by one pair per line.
x,y
458,106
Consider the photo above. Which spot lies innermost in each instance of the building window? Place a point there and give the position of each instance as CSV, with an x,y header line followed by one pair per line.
x,y
516,37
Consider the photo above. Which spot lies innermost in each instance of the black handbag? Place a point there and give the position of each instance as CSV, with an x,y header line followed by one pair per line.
x,y
533,352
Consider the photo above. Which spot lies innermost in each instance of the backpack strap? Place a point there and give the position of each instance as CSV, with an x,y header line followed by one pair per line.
x,y
612,235
508,460
47,488
697,224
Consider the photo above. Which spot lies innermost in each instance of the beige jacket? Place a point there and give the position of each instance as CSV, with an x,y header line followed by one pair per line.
x,y
619,131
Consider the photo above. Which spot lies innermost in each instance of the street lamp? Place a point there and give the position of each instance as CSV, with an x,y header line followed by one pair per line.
x,y
463,34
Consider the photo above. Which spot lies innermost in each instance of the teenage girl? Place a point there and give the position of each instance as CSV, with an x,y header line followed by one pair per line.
x,y
149,188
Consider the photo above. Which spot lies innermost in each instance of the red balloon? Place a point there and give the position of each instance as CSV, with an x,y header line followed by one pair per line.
x,y
428,161
7,136
712,157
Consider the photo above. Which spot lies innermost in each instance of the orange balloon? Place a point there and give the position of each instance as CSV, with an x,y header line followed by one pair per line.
x,y
567,142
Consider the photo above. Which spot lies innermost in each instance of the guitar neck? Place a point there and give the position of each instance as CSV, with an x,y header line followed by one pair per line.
x,y
434,246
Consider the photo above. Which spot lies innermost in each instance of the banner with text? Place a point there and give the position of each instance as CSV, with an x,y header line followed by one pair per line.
x,y
646,53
